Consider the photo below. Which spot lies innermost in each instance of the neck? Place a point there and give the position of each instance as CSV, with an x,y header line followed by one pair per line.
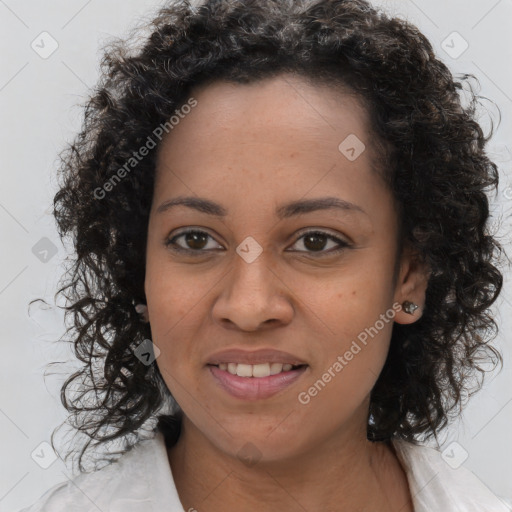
x,y
345,472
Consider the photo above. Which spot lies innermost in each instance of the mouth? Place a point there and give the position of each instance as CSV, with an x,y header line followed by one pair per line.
x,y
255,382
257,371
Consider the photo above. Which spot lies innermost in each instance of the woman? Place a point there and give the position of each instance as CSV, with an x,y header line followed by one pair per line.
x,y
283,267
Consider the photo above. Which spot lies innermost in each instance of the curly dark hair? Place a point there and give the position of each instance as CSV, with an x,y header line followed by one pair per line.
x,y
432,158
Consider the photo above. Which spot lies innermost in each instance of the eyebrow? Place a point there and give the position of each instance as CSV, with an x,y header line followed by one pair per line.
x,y
285,211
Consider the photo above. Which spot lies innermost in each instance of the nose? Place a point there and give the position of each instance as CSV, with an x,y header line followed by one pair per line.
x,y
253,297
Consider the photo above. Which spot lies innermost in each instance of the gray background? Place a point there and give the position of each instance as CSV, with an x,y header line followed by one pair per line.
x,y
39,99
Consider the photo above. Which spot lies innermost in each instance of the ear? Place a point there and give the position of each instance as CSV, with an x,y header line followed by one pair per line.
x,y
411,285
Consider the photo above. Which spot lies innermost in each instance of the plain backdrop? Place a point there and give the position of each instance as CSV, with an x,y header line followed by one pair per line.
x,y
39,98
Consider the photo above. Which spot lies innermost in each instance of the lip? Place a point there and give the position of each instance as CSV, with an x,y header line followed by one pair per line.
x,y
264,355
254,388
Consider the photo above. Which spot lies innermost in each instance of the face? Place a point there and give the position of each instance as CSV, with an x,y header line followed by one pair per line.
x,y
257,273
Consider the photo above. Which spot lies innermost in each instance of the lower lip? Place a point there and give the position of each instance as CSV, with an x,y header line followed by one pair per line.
x,y
255,388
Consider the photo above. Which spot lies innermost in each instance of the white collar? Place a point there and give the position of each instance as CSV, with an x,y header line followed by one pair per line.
x,y
141,480
435,485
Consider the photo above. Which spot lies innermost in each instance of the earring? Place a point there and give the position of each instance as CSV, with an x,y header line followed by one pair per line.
x,y
409,307
142,309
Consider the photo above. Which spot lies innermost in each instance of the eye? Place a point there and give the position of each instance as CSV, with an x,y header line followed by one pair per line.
x,y
196,240
193,238
317,241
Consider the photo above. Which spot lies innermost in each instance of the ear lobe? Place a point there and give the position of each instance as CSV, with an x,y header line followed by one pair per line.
x,y
411,286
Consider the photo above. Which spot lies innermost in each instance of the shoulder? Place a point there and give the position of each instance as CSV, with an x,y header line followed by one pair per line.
x,y
438,481
116,486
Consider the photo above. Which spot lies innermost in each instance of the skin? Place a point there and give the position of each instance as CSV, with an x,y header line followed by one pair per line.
x,y
252,148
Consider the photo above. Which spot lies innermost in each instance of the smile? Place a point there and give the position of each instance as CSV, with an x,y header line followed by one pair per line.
x,y
256,370
255,382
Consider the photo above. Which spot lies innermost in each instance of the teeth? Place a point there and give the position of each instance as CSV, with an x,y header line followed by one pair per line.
x,y
255,370
276,368
260,370
244,370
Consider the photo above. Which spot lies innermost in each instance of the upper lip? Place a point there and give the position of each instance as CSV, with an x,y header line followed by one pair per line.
x,y
264,355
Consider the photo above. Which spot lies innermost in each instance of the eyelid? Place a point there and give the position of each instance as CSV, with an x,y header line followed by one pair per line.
x,y
341,242
169,241
324,231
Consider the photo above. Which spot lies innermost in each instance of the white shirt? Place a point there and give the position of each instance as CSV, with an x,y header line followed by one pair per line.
x,y
141,481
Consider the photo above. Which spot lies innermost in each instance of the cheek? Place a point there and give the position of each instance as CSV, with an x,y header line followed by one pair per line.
x,y
347,303
174,305
172,292
351,319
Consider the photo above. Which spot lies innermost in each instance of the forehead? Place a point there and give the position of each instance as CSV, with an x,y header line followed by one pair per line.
x,y
279,136
286,106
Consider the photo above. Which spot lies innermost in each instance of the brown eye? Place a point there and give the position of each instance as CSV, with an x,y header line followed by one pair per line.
x,y
196,241
316,241
193,241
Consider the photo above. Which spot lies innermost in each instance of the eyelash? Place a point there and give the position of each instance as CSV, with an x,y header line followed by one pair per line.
x,y
171,244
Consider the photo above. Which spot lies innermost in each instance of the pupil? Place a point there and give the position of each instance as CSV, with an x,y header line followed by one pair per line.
x,y
194,237
314,237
